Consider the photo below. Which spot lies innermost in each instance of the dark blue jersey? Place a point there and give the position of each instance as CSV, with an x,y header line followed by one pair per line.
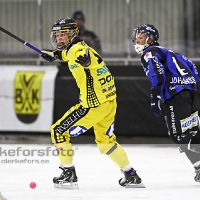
x,y
169,72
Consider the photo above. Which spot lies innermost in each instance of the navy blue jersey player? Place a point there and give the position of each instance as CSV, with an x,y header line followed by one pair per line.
x,y
173,80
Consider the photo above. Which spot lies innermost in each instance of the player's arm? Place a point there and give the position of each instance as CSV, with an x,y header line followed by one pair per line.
x,y
84,59
155,72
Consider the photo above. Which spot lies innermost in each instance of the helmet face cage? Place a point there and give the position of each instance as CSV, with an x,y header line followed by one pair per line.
x,y
149,30
135,34
67,26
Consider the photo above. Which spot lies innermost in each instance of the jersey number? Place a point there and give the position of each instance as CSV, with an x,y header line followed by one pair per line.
x,y
181,71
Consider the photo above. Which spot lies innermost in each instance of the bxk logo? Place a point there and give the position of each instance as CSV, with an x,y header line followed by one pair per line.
x,y
27,95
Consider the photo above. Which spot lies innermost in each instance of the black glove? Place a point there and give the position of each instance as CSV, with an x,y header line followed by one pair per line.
x,y
51,55
48,55
85,60
155,105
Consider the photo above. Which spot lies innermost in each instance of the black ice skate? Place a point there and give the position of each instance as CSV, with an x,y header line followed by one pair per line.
x,y
197,176
67,179
2,197
131,180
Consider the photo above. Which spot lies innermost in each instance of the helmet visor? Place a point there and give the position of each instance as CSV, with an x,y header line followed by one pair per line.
x,y
59,39
136,33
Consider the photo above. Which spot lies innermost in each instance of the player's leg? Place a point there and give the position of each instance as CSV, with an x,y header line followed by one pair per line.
x,y
195,130
195,141
106,141
74,122
61,132
194,149
180,120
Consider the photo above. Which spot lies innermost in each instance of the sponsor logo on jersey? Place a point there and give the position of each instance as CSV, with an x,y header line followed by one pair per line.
x,y
102,70
147,56
104,90
110,94
106,79
73,66
27,95
111,87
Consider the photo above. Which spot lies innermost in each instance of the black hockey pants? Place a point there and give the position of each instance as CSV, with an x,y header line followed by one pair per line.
x,y
181,116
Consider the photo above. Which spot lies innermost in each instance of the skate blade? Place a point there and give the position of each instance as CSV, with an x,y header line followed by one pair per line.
x,y
141,185
71,186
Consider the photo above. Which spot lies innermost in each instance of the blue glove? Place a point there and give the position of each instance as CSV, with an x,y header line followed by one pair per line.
x,y
155,105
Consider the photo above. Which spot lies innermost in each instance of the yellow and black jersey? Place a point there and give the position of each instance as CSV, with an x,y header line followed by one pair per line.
x,y
95,82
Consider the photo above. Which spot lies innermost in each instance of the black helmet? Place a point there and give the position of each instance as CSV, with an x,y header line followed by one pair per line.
x,y
148,29
67,25
151,33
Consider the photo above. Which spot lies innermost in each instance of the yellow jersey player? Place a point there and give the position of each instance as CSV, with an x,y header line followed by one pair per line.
x,y
96,108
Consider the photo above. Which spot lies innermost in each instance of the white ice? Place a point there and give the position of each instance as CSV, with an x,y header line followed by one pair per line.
x,y
166,173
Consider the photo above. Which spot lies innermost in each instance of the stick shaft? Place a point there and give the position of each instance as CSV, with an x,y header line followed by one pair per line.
x,y
20,40
12,35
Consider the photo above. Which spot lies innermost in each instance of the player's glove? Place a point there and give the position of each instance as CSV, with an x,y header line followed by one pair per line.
x,y
85,60
155,105
51,55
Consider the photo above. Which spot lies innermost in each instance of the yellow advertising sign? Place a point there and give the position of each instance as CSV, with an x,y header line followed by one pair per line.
x,y
27,95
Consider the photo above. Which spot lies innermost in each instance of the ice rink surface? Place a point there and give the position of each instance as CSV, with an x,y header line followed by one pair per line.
x,y
166,173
